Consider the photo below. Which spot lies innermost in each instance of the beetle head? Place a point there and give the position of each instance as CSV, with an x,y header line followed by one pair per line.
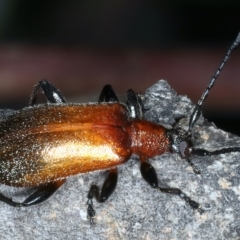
x,y
180,142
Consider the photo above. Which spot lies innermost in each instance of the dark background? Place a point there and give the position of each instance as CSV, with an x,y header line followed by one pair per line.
x,y
81,45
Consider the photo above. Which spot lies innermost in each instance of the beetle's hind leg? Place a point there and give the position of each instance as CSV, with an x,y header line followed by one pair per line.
x,y
39,196
107,189
52,94
107,94
150,176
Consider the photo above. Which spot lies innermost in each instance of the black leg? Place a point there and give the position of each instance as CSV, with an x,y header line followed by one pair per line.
x,y
134,104
52,94
150,176
39,196
133,101
107,189
107,94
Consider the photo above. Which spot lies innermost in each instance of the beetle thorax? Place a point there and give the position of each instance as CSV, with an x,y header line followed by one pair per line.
x,y
148,139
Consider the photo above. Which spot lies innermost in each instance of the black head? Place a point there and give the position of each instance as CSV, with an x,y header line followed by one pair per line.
x,y
180,142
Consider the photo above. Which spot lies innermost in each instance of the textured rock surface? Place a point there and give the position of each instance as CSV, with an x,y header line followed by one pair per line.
x,y
135,211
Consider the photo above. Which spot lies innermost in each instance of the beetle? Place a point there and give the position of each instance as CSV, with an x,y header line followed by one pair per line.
x,y
43,144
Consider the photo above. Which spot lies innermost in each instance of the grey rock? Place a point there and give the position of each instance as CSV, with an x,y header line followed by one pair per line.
x,y
135,210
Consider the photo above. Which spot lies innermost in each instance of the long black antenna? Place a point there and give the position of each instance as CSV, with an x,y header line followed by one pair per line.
x,y
197,110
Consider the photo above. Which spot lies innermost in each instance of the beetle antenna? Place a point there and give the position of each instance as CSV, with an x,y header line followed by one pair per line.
x,y
197,110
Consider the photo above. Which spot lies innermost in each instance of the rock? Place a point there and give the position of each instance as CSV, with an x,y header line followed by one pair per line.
x,y
135,210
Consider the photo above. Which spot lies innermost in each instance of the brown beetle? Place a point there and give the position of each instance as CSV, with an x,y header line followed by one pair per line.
x,y
41,145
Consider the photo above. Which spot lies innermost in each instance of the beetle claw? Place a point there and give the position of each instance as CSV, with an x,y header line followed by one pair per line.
x,y
90,212
196,206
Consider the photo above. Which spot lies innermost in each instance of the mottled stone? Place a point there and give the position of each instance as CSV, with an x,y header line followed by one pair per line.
x,y
135,210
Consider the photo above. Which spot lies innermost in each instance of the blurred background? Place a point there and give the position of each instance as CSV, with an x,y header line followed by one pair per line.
x,y
80,46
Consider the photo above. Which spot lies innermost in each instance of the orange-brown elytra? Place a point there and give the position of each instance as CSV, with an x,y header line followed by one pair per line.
x,y
41,145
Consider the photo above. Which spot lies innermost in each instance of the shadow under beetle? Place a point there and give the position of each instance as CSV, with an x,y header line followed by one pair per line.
x,y
41,145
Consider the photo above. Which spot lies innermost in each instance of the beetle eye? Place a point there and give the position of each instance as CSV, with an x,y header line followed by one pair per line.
x,y
184,148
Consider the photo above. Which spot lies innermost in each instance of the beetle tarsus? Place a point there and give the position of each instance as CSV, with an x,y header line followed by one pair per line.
x,y
108,187
90,212
194,205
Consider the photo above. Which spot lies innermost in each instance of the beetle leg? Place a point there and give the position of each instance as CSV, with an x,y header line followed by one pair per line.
x,y
42,194
134,104
150,176
52,94
107,94
107,189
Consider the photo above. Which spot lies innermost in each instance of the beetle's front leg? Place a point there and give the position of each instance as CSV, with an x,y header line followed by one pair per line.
x,y
150,176
107,189
52,94
39,196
